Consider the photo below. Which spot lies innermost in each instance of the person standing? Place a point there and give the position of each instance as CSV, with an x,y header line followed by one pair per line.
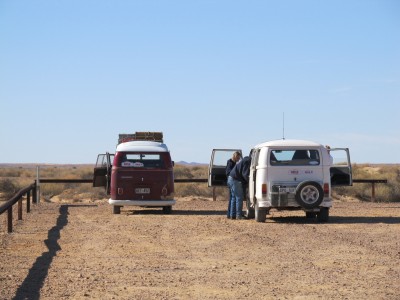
x,y
238,177
230,164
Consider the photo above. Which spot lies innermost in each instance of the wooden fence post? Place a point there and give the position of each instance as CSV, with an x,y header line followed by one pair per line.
x,y
20,208
28,202
38,184
373,192
9,219
34,199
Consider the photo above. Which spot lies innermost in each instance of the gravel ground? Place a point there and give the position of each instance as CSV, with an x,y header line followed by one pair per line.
x,y
83,251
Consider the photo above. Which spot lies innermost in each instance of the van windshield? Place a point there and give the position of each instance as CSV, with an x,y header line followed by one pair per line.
x,y
141,160
294,157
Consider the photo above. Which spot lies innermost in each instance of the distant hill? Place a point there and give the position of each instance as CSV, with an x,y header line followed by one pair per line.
x,y
190,163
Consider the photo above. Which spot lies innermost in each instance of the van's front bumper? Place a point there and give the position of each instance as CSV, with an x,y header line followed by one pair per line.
x,y
155,203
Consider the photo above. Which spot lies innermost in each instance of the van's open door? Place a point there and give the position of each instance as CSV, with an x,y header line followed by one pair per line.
x,y
102,171
341,172
216,169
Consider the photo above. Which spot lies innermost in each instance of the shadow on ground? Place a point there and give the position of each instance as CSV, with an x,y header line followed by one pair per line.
x,y
158,211
30,287
337,220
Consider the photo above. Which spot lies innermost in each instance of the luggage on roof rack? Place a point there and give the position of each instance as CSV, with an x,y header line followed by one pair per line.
x,y
141,136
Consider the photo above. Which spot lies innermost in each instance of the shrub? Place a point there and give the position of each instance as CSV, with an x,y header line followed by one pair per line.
x,y
182,172
389,192
8,188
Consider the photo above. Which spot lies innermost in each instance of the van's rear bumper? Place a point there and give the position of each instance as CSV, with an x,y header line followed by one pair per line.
x,y
327,202
156,203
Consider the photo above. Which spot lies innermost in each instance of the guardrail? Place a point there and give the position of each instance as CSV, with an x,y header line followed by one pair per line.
x,y
17,198
192,180
46,180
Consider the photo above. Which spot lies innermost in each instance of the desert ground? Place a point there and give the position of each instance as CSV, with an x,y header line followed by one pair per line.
x,y
80,250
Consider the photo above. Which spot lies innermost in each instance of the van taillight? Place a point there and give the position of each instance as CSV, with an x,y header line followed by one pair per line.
x,y
326,188
264,188
164,190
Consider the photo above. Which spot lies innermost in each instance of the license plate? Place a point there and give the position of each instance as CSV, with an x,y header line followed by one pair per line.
x,y
287,190
142,191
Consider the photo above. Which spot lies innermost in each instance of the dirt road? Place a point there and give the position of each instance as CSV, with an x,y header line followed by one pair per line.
x,y
82,251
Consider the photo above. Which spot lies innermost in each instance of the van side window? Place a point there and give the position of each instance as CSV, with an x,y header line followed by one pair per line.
x,y
294,157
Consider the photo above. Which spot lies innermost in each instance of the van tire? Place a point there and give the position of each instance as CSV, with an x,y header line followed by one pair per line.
x,y
249,210
260,213
167,210
323,215
116,209
309,194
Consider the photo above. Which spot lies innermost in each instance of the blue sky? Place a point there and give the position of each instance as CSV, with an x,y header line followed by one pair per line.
x,y
208,74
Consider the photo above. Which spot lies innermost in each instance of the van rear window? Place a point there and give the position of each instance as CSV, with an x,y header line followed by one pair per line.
x,y
142,160
294,157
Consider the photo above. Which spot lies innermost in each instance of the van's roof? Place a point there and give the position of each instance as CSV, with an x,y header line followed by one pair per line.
x,y
142,146
289,143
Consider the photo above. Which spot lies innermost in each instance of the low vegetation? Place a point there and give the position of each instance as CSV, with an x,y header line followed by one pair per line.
x,y
15,177
389,192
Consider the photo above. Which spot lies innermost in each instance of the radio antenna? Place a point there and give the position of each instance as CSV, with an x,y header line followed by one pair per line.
x,y
283,126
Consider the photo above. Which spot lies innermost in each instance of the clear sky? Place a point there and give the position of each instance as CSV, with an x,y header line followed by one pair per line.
x,y
208,74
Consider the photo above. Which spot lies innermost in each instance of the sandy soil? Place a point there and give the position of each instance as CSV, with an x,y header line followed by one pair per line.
x,y
83,251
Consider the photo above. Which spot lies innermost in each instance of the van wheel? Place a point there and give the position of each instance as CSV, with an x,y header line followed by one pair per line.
x,y
167,210
260,213
116,209
323,215
309,194
249,210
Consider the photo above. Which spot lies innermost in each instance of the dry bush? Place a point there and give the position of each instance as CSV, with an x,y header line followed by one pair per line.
x,y
24,176
99,193
10,172
182,172
389,192
49,190
200,190
7,188
196,189
188,172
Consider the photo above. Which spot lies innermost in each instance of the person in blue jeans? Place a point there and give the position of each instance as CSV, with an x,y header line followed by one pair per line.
x,y
239,177
230,164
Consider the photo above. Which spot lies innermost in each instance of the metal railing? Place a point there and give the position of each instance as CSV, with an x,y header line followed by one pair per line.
x,y
46,180
372,182
17,198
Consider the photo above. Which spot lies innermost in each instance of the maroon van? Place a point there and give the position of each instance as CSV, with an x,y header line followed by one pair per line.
x,y
140,174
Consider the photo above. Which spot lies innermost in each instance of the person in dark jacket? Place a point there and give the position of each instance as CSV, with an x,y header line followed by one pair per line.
x,y
230,164
238,177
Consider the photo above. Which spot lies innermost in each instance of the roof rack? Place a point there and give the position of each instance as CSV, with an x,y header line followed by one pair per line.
x,y
141,136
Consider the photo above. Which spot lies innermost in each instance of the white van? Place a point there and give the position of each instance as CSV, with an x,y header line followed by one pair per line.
x,y
293,174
